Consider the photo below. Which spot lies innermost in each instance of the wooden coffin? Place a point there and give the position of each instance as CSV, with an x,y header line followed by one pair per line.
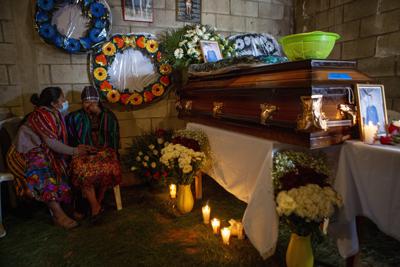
x,y
308,103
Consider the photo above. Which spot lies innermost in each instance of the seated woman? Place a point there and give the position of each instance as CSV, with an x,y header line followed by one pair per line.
x,y
41,140
96,126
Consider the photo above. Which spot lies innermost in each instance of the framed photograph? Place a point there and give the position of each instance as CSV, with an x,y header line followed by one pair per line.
x,y
371,107
138,10
211,51
188,10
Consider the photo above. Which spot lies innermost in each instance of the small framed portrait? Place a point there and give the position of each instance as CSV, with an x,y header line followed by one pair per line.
x,y
371,107
138,10
188,10
211,51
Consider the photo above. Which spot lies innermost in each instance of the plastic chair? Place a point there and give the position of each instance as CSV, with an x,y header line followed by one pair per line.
x,y
4,177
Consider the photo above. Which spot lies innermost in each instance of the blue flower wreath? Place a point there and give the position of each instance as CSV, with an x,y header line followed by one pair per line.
x,y
100,22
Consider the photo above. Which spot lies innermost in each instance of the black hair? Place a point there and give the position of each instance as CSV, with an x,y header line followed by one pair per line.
x,y
47,96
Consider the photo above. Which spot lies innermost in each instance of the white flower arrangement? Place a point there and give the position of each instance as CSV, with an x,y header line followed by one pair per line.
x,y
182,46
183,162
310,202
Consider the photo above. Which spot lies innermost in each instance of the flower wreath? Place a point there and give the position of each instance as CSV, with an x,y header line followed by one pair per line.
x,y
103,57
100,21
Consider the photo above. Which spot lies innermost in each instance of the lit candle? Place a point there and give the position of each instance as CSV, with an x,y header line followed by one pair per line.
x,y
206,214
225,233
370,132
240,233
215,223
172,190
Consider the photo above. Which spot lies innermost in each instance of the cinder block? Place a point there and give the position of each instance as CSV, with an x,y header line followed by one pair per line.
x,y
7,53
389,5
3,75
10,96
18,111
361,48
245,8
208,19
167,123
80,59
47,54
348,31
69,74
159,3
120,29
123,115
382,23
5,10
212,6
170,4
336,52
271,11
165,18
359,9
130,128
13,73
43,72
270,26
157,110
392,88
378,67
9,31
388,45
76,92
396,104
334,3
230,23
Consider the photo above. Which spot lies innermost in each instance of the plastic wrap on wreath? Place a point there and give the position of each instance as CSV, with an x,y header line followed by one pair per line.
x,y
75,26
251,44
132,69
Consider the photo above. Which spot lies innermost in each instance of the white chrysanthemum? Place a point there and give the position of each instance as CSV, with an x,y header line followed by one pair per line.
x,y
153,165
187,169
155,152
140,153
178,53
151,147
138,159
160,141
182,43
146,158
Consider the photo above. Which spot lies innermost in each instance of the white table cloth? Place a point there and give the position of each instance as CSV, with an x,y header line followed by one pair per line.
x,y
368,178
242,164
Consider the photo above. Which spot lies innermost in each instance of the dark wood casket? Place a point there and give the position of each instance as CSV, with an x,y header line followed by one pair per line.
x,y
309,103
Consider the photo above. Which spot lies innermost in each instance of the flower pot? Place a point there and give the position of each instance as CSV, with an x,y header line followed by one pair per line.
x,y
185,199
299,252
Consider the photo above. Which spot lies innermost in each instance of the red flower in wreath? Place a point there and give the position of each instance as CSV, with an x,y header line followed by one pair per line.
x,y
148,96
124,98
141,42
106,86
136,99
165,69
119,41
101,60
164,80
157,89
159,56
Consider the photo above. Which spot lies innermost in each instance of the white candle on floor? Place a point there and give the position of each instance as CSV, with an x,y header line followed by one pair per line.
x,y
215,223
206,214
225,233
172,190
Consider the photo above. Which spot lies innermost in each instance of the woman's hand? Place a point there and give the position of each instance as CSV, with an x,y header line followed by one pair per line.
x,y
83,150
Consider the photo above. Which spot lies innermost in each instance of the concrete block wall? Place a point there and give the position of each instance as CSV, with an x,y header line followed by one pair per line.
x,y
27,64
370,31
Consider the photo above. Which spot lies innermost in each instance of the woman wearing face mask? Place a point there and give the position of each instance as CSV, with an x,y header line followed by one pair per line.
x,y
96,126
42,140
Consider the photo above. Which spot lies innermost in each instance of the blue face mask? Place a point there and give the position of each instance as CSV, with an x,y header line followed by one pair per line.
x,y
64,108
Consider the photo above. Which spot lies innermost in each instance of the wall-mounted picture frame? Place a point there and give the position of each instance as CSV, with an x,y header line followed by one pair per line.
x,y
188,11
371,107
211,51
137,10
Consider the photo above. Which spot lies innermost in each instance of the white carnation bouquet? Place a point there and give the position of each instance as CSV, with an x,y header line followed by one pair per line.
x,y
182,162
304,198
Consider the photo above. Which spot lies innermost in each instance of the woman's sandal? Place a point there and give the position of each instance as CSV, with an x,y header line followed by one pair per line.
x,y
65,223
